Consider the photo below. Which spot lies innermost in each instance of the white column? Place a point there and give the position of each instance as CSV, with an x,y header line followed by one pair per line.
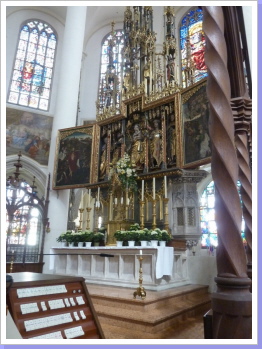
x,y
66,110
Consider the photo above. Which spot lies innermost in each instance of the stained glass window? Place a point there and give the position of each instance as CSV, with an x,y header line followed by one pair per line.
x,y
33,68
207,217
192,46
111,64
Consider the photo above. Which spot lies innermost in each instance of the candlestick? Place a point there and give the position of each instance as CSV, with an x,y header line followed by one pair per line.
x,y
142,204
143,190
140,291
165,186
154,215
154,188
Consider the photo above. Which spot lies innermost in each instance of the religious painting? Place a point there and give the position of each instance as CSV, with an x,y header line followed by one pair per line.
x,y
74,153
195,114
29,133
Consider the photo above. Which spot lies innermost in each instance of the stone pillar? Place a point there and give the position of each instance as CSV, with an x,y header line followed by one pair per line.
x,y
66,106
232,302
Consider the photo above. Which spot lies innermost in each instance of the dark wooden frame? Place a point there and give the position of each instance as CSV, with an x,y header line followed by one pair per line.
x,y
74,171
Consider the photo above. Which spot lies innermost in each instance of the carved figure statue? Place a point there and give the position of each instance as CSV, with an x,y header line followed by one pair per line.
x,y
137,148
103,159
156,144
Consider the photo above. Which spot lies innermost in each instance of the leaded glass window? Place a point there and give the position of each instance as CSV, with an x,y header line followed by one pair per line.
x,y
111,66
192,46
23,223
33,68
207,217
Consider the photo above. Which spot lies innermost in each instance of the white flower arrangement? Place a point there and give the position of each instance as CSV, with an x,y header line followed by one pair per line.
x,y
126,172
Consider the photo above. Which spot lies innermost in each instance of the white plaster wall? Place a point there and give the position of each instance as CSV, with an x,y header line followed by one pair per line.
x,y
202,269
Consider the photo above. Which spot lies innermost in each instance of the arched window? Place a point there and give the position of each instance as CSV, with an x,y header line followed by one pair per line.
x,y
24,219
111,69
207,217
33,68
192,46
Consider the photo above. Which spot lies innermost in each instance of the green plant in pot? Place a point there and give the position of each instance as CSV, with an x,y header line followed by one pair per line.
x,y
165,236
144,235
88,236
98,238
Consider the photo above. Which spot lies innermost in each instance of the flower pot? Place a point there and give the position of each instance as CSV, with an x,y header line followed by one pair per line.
x,y
162,243
119,243
88,243
96,244
71,244
80,244
63,243
143,243
154,243
131,243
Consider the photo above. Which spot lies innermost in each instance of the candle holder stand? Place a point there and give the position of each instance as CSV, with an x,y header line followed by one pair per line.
x,y
81,210
166,225
140,291
142,215
154,215
88,209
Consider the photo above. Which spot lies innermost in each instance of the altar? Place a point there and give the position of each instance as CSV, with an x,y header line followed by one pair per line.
x,y
162,267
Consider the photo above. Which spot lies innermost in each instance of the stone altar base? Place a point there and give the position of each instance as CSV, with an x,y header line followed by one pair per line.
x,y
162,314
163,267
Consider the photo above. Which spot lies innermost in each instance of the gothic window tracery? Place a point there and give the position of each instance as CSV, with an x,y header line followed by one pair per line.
x,y
33,67
110,70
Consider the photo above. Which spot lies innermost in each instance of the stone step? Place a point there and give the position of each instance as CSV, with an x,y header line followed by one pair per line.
x,y
154,317
185,329
123,297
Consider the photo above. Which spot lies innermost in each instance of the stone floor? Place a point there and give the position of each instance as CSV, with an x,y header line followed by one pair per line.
x,y
169,314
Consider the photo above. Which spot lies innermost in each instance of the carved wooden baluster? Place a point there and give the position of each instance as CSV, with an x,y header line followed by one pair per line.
x,y
232,282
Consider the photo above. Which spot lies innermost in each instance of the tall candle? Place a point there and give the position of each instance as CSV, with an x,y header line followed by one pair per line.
x,y
143,189
165,186
89,199
98,194
82,200
154,188
140,252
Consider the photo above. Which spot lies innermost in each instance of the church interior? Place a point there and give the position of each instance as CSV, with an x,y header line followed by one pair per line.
x,y
129,172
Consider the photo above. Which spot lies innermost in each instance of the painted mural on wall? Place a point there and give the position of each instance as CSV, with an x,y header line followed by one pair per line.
x,y
29,133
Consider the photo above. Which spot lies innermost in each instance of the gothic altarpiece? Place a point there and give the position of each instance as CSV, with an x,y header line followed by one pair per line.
x,y
143,113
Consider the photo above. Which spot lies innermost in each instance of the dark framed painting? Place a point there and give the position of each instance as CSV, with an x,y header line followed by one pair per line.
x,y
195,115
73,159
29,133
